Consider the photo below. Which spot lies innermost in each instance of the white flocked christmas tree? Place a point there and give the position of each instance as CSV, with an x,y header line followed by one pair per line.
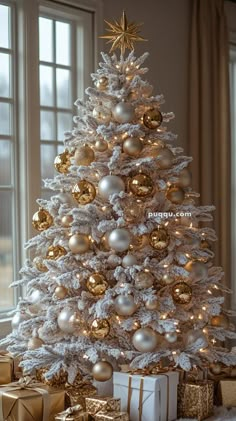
x,y
121,270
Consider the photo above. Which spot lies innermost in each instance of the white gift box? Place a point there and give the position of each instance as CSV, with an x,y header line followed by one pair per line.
x,y
158,398
104,388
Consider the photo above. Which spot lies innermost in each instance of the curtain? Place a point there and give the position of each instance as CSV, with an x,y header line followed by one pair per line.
x,y
209,119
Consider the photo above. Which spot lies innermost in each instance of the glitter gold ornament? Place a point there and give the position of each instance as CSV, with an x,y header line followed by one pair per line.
x,y
145,340
97,284
175,194
132,146
152,118
159,239
83,192
66,220
182,293
102,371
55,252
144,280
138,242
221,320
38,262
42,220
101,83
84,155
141,185
100,328
79,243
62,162
101,145
34,343
60,292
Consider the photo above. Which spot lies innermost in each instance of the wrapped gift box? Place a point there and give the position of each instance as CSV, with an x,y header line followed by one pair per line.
x,y
28,401
111,416
148,398
227,392
77,393
6,367
195,399
98,403
75,413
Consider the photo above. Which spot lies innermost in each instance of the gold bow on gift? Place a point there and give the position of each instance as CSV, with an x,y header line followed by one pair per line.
x,y
74,410
125,368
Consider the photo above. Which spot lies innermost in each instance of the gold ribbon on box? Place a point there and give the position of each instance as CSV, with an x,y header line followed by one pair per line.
x,y
74,410
25,383
7,359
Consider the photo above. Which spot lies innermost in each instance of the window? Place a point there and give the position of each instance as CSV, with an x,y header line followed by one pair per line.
x,y
233,163
46,57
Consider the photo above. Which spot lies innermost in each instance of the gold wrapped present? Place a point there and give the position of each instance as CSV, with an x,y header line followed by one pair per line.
x,y
112,416
195,399
58,380
227,392
27,400
6,367
98,403
77,393
75,413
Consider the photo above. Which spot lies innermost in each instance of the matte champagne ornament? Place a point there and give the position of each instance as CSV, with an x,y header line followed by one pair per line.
x,y
63,320
84,155
79,243
125,305
101,145
123,112
175,194
34,343
102,371
119,239
132,146
109,185
66,220
145,340
60,292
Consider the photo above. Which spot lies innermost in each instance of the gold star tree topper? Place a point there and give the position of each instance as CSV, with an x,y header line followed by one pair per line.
x,y
123,34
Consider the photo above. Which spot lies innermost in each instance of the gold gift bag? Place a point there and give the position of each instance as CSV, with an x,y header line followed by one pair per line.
x,y
76,413
6,367
111,416
227,392
195,399
27,400
98,403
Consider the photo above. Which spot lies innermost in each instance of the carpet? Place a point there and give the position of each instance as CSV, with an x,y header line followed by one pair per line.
x,y
220,414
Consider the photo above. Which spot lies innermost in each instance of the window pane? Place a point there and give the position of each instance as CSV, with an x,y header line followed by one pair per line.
x,y
48,154
5,118
4,75
60,148
6,254
46,86
63,88
5,163
5,26
45,39
64,123
62,43
47,125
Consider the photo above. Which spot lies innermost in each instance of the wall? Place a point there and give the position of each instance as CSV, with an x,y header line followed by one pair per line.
x,y
167,28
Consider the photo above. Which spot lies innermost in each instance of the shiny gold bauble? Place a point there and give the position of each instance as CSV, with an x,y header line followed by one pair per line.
x,y
79,243
38,262
104,245
167,279
182,293
101,145
55,252
60,292
185,178
152,118
84,155
141,185
144,280
42,220
34,343
102,371
101,83
66,220
100,328
175,194
159,239
216,368
132,146
62,162
75,320
152,304
83,192
97,284
221,320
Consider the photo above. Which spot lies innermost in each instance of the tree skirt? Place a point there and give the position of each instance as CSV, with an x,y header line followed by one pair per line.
x,y
220,414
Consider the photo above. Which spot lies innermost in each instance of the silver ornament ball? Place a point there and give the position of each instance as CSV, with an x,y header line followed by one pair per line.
x,y
63,320
109,185
145,340
171,337
123,112
119,239
35,296
18,318
129,260
125,305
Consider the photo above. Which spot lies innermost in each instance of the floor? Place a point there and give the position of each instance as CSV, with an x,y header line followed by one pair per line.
x,y
221,414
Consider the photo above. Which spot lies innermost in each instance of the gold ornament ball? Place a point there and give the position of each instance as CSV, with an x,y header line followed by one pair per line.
x,y
102,371
60,292
152,118
101,83
100,328
175,194
152,304
165,157
182,293
38,262
144,280
101,145
216,368
145,340
84,155
137,242
125,305
102,114
133,212
167,279
141,185
171,337
97,284
185,178
66,220
132,146
75,320
104,245
83,192
79,243
34,343
55,252
42,220
159,239
221,320
62,162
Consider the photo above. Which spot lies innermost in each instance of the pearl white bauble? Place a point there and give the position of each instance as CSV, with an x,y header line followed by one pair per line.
x,y
65,197
129,260
79,243
109,185
119,239
125,305
101,145
102,114
132,146
18,318
63,320
35,296
145,340
123,112
171,337
102,371
34,343
193,335
151,305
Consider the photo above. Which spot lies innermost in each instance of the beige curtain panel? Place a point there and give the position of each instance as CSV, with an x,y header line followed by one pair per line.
x,y
209,124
